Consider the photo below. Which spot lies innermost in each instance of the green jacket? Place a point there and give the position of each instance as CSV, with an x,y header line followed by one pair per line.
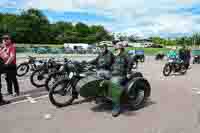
x,y
121,65
172,54
104,60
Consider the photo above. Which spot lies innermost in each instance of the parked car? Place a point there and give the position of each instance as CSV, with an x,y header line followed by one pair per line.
x,y
155,46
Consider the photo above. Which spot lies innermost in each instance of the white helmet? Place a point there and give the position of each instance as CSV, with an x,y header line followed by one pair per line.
x,y
119,45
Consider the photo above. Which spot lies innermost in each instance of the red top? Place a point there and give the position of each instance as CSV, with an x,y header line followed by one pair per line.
x,y
8,50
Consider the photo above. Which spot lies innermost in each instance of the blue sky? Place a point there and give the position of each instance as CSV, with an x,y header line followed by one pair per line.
x,y
143,18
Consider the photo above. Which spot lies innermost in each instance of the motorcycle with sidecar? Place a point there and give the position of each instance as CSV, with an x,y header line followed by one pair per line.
x,y
196,56
84,81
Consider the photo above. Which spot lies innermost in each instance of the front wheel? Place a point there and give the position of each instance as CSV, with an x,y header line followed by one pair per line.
x,y
143,59
194,61
22,69
183,69
38,77
167,70
60,94
53,78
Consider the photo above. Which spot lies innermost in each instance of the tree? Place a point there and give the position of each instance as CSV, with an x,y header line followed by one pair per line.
x,y
32,26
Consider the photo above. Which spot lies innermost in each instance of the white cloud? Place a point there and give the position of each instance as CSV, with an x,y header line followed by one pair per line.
x,y
144,17
7,3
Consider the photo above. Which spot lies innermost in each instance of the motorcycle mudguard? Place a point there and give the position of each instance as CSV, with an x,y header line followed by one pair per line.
x,y
90,86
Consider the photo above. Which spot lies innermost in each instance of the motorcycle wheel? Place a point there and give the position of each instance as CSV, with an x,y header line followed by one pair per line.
x,y
64,90
53,78
143,59
134,65
167,70
23,66
183,69
40,75
193,62
138,92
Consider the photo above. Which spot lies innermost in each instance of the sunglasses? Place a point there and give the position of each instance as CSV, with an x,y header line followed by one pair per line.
x,y
5,38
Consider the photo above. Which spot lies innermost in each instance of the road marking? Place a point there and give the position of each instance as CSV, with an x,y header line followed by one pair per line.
x,y
196,90
27,100
47,116
23,101
31,100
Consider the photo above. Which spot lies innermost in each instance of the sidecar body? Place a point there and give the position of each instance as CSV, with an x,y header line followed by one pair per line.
x,y
196,56
93,86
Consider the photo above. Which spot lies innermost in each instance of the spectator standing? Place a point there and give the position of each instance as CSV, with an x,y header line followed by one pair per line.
x,y
8,54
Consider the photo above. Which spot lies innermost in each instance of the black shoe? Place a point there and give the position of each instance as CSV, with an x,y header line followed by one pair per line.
x,y
3,102
116,110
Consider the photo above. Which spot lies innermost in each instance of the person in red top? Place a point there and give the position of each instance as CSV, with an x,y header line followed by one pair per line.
x,y
8,55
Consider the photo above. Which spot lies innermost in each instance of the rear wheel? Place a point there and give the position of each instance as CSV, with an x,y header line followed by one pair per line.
x,y
167,70
60,94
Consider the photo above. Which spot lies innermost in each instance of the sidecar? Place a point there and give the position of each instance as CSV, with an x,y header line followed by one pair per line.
x,y
136,91
139,54
196,56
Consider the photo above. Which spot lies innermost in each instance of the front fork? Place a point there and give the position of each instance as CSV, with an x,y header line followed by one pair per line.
x,y
73,82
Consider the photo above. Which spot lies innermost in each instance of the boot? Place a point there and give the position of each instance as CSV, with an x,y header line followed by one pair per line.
x,y
116,110
2,101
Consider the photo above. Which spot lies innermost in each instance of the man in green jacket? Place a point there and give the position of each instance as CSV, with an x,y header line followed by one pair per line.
x,y
121,67
104,61
172,54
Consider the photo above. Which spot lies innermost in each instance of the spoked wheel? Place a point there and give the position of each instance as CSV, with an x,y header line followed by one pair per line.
x,y
39,77
22,69
135,65
53,78
183,69
138,92
60,94
167,70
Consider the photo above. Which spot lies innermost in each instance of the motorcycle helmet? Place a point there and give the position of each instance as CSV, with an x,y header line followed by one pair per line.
x,y
119,45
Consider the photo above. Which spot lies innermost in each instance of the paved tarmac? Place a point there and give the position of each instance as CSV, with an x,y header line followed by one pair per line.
x,y
173,108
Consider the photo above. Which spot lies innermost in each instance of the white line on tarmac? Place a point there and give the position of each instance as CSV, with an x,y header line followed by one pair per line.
x,y
31,100
27,100
195,89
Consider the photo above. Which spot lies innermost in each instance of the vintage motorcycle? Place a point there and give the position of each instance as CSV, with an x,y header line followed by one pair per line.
x,y
174,65
159,56
31,65
39,76
58,75
89,85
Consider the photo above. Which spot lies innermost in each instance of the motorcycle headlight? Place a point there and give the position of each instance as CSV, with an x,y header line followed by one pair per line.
x,y
71,75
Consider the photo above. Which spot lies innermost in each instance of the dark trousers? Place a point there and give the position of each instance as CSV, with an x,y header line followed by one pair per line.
x,y
1,97
12,79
